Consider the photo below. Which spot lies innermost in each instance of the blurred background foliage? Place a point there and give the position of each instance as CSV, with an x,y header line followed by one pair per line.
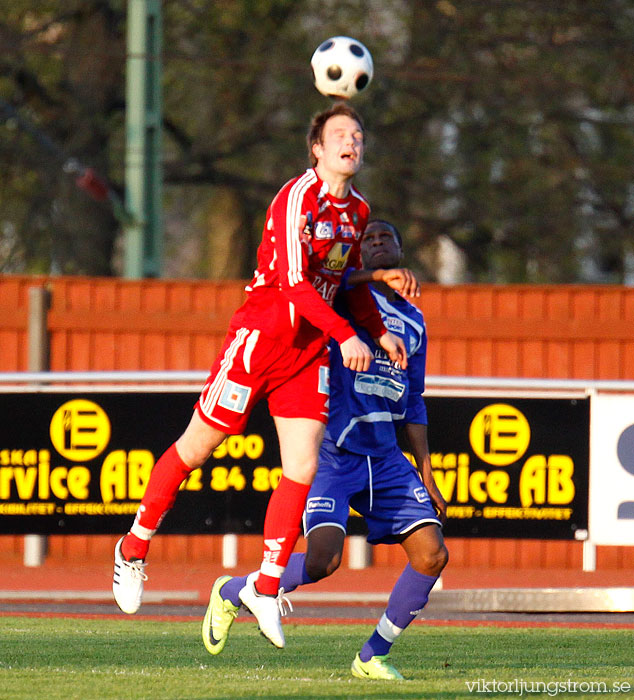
x,y
501,134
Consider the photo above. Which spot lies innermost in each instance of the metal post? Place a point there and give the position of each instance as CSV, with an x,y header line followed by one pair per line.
x,y
359,552
38,329
230,551
589,555
35,546
143,172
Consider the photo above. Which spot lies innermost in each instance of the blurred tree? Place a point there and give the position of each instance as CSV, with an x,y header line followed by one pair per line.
x,y
61,71
500,134
518,137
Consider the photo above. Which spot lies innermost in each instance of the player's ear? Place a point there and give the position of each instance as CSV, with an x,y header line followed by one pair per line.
x,y
317,150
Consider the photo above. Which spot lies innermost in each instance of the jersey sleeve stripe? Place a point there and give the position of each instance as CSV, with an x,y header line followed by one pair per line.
x,y
293,213
293,245
374,417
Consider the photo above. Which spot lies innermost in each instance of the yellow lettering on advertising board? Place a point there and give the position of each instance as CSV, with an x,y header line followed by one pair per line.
x,y
561,487
140,463
454,479
41,481
125,474
543,480
27,508
24,480
265,479
194,481
547,480
74,482
238,446
223,479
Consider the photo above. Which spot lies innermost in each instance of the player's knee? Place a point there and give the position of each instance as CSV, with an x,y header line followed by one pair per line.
x,y
430,562
197,443
302,468
322,565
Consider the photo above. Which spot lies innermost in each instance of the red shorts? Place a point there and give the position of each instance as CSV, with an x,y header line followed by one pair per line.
x,y
251,366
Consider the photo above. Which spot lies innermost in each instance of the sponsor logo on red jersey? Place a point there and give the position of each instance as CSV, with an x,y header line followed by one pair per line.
x,y
324,230
337,257
326,288
346,231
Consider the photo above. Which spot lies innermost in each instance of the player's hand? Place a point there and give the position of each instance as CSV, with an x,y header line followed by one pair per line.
x,y
438,502
356,355
401,279
394,347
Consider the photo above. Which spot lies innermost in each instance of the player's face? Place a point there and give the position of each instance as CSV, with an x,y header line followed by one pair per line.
x,y
380,247
340,152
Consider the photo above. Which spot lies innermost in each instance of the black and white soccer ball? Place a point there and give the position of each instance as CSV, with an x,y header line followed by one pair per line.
x,y
342,67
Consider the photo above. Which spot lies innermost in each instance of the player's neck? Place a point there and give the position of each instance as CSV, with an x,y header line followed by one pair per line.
x,y
338,185
339,191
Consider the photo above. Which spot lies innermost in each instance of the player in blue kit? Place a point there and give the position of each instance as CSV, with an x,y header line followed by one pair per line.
x,y
361,465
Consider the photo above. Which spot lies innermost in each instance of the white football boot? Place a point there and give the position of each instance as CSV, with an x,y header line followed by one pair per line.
x,y
128,580
266,610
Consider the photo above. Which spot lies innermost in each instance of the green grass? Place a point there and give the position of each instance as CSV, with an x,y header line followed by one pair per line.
x,y
130,659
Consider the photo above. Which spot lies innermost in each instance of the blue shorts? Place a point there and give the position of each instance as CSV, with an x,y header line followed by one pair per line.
x,y
386,491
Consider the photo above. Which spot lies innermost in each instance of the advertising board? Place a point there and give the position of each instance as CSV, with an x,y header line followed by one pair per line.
x,y
79,464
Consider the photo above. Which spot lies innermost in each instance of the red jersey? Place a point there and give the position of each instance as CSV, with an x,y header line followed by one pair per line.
x,y
310,239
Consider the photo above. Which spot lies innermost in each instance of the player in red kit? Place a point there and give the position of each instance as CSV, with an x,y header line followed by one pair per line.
x,y
276,348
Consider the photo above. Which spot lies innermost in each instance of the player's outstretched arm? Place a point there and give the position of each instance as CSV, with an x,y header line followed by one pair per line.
x,y
401,279
394,347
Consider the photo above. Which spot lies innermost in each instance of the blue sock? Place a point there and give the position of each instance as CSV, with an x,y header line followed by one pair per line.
x,y
409,596
294,575
231,589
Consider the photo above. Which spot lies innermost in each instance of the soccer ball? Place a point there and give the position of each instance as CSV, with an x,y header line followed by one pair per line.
x,y
342,67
